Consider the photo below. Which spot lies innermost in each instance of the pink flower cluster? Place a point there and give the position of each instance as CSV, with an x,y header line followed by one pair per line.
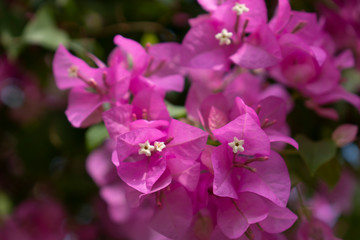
x,y
216,174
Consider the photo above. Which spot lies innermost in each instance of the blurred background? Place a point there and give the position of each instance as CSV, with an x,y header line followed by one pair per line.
x,y
42,157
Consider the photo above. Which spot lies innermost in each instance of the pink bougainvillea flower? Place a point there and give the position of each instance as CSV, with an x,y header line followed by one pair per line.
x,y
315,229
273,120
240,163
156,66
260,50
36,219
90,87
150,158
235,216
173,216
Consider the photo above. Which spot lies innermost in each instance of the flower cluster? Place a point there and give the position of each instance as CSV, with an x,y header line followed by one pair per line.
x,y
216,174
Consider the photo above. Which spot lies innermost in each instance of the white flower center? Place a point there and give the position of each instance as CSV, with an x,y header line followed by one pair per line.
x,y
240,8
159,146
224,37
146,148
237,145
73,71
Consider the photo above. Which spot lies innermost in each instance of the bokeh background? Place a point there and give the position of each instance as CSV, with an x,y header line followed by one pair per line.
x,y
42,157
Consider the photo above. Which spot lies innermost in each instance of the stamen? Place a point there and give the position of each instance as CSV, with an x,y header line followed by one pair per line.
x,y
150,72
259,159
73,71
133,116
258,109
167,141
146,148
145,114
104,79
237,145
298,27
243,165
268,123
92,83
224,37
240,9
147,47
243,34
158,196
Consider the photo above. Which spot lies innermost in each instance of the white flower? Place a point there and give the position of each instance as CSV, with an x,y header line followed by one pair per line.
x,y
224,37
237,145
146,148
240,8
159,146
73,71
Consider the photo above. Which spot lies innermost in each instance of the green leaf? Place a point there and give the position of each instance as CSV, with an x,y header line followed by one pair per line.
x,y
13,45
5,205
149,38
95,136
353,80
176,111
315,154
42,31
330,172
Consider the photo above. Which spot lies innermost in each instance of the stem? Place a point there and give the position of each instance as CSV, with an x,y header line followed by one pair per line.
x,y
303,206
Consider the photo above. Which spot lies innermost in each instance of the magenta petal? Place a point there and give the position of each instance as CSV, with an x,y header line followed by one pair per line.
x,y
142,174
336,94
282,16
217,234
174,216
162,182
252,57
271,180
133,50
253,207
174,82
84,108
209,5
128,143
261,50
100,167
273,109
141,123
214,110
241,108
115,197
231,220
202,50
217,118
165,51
279,219
278,137
117,120
152,102
345,59
240,87
223,185
256,142
185,173
344,134
188,141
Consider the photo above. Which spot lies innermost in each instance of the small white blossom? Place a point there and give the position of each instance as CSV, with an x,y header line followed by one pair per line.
x,y
159,146
146,148
237,145
224,37
240,8
73,71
